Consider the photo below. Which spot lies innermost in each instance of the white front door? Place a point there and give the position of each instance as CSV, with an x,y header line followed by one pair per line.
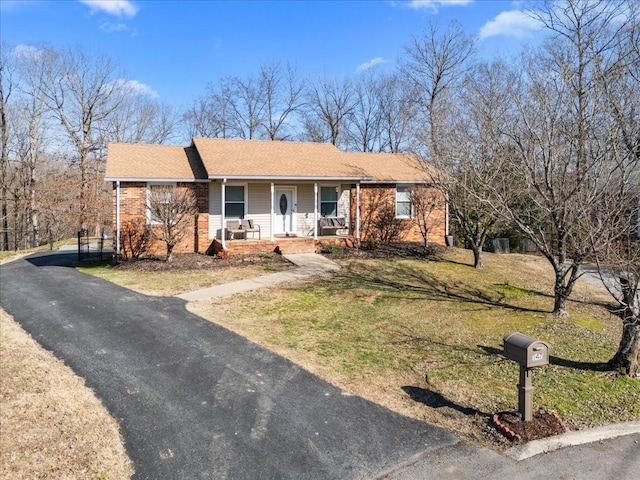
x,y
284,211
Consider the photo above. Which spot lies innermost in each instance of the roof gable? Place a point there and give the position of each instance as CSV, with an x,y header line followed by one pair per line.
x,y
153,162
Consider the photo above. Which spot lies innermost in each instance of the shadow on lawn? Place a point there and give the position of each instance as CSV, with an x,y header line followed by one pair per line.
x,y
407,281
436,400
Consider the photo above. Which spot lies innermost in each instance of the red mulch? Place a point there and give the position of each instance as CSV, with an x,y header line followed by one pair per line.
x,y
543,424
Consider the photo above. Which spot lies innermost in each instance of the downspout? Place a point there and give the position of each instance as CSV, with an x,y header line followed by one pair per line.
x,y
446,216
223,228
358,214
272,214
315,211
117,220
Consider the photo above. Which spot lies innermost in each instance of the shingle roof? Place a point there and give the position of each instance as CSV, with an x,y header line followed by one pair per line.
x,y
153,162
258,159
268,159
390,167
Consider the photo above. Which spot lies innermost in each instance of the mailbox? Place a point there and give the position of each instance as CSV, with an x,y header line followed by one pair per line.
x,y
526,351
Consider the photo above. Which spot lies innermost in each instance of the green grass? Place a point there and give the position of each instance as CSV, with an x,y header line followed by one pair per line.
x,y
441,323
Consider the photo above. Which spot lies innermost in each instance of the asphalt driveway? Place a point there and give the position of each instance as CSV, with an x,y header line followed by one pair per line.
x,y
196,401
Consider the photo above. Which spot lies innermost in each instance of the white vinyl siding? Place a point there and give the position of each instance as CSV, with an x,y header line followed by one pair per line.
x,y
304,212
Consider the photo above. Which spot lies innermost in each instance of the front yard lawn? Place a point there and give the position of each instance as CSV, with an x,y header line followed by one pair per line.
x,y
423,337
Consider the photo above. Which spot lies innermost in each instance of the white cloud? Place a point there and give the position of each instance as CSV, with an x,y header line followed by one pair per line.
x,y
136,88
371,63
119,8
27,52
512,23
434,4
110,27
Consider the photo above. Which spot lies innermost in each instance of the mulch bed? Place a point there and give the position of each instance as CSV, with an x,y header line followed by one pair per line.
x,y
543,424
196,261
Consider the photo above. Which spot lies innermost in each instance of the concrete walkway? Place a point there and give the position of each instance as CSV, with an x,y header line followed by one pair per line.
x,y
307,264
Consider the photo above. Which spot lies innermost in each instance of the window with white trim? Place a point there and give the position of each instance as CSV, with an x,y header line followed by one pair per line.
x,y
329,201
403,202
158,189
235,201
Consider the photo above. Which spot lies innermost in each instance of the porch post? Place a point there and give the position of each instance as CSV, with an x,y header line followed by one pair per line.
x,y
272,213
358,213
223,228
117,242
315,211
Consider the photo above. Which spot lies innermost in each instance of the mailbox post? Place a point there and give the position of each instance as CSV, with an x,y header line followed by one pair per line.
x,y
528,353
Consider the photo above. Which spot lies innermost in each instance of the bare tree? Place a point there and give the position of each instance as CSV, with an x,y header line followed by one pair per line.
x,y
435,63
379,223
29,131
564,149
140,119
282,91
172,213
428,204
461,114
329,102
6,88
248,105
616,240
82,91
618,262
397,114
211,114
364,120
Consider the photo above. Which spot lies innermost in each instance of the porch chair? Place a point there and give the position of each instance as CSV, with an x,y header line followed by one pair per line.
x,y
250,226
235,230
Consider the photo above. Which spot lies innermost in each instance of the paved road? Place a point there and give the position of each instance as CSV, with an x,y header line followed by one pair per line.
x,y
196,401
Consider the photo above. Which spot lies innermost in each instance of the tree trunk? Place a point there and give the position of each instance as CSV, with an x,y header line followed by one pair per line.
x,y
627,357
4,244
560,300
478,259
562,289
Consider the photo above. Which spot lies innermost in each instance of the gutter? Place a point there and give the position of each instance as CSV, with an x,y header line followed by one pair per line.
x,y
149,179
290,178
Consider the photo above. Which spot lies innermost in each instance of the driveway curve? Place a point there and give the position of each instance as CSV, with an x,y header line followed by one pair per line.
x,y
196,401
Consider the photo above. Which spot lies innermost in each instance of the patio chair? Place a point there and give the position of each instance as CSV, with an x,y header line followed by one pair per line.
x,y
235,230
250,226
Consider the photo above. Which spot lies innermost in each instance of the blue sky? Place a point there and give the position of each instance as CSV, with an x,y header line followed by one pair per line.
x,y
174,48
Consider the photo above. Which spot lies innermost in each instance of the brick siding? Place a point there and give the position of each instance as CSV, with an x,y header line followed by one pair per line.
x,y
133,216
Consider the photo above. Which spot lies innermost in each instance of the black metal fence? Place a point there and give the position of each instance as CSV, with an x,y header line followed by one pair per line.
x,y
90,248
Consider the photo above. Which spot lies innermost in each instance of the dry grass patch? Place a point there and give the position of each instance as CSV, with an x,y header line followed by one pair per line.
x,y
53,427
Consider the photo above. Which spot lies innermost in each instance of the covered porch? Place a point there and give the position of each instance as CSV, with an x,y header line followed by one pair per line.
x,y
259,216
